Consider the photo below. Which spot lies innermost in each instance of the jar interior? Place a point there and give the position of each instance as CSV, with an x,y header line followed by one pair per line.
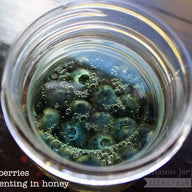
x,y
133,60
125,67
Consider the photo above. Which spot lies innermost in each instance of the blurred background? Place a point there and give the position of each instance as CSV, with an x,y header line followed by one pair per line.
x,y
16,15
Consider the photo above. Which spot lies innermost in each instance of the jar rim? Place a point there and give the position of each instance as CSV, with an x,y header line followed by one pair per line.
x,y
165,152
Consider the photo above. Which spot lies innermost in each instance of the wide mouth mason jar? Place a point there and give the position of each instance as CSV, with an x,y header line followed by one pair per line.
x,y
112,32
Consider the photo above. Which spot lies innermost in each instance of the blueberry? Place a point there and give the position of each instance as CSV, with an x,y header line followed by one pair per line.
x,y
101,120
129,153
74,134
130,102
150,115
58,93
81,107
105,96
59,97
124,128
50,119
100,141
143,135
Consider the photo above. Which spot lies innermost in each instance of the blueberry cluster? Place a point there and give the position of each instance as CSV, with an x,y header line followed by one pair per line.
x,y
91,117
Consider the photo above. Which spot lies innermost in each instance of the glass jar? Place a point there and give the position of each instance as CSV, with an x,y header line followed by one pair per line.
x,y
157,53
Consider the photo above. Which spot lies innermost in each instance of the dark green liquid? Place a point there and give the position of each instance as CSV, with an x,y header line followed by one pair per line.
x,y
94,109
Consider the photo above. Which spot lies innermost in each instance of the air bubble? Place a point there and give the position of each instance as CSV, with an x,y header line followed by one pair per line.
x,y
56,145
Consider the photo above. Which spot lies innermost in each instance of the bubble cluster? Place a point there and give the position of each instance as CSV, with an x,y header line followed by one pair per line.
x,y
92,117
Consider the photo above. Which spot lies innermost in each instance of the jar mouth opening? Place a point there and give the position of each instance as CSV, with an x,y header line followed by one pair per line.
x,y
31,148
